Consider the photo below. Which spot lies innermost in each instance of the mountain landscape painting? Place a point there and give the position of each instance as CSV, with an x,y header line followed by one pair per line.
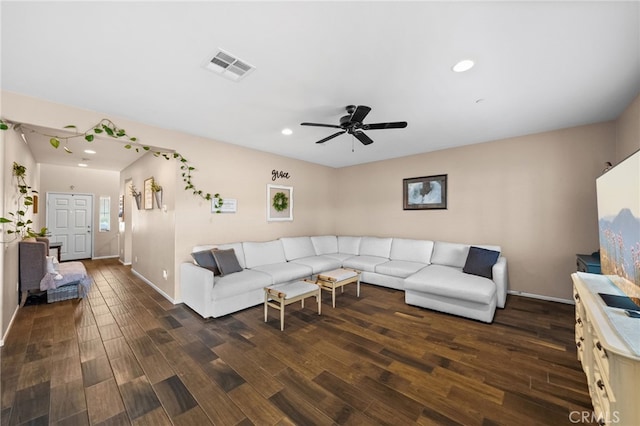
x,y
620,246
619,224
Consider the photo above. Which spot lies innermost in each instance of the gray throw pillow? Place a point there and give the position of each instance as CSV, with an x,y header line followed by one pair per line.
x,y
480,262
227,261
206,260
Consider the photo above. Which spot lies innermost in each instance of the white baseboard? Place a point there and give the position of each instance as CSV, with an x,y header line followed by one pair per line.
x,y
125,263
165,295
541,297
104,257
13,317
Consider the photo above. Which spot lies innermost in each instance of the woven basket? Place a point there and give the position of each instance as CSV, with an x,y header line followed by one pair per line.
x,y
69,291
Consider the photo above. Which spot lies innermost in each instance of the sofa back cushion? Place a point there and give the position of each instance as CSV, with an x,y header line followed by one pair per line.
x,y
349,245
412,250
375,246
450,254
267,253
297,247
325,244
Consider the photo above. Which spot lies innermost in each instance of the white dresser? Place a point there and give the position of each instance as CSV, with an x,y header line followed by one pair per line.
x,y
611,363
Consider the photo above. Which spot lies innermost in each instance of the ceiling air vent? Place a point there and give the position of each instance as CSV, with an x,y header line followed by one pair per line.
x,y
229,66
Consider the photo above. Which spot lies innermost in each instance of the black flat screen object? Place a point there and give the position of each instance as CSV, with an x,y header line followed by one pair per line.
x,y
622,302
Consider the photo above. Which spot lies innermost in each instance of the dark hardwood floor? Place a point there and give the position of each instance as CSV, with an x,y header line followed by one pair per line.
x,y
125,355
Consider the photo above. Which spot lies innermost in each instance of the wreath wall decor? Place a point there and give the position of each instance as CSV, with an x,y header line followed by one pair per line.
x,y
279,203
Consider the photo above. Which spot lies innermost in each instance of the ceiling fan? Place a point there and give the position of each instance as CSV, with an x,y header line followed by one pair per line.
x,y
353,125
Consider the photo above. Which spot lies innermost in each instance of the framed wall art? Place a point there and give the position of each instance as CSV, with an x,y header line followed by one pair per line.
x,y
148,193
425,193
279,203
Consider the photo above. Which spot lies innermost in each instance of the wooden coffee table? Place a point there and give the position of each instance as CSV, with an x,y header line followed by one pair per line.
x,y
331,280
285,294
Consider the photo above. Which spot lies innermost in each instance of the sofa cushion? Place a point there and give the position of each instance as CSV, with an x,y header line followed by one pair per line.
x,y
285,272
399,268
319,263
411,250
452,282
341,257
349,245
364,263
449,254
239,283
238,249
374,246
266,253
325,244
226,261
205,259
297,247
480,262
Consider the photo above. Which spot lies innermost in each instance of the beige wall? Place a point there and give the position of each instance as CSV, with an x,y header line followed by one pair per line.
x,y
14,149
152,230
76,180
533,195
628,131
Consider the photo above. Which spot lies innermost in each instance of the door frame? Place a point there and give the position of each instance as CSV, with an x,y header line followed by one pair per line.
x,y
92,212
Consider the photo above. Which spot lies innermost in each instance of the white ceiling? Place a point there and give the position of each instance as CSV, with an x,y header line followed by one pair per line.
x,y
539,66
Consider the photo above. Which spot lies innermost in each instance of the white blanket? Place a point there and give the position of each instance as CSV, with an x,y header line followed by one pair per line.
x,y
71,272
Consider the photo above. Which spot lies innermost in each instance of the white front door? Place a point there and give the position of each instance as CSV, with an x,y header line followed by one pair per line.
x,y
69,220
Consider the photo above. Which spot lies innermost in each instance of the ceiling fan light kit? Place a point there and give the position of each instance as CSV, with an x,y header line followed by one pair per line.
x,y
352,123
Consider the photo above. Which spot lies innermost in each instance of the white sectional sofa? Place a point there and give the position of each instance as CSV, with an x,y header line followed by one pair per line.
x,y
430,273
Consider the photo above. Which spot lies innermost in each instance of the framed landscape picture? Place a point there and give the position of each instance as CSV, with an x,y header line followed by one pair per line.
x,y
425,193
279,203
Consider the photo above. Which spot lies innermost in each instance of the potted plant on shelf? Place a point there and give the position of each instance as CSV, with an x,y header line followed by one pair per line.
x,y
137,195
22,224
157,192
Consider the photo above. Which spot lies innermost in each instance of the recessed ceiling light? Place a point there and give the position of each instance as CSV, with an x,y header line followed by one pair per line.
x,y
83,165
89,151
464,65
287,131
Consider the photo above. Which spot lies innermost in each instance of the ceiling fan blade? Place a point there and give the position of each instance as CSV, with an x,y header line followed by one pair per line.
x,y
321,125
363,138
393,125
360,113
331,137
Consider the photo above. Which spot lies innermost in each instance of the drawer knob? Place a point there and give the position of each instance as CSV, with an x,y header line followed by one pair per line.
x,y
579,321
576,296
600,384
578,344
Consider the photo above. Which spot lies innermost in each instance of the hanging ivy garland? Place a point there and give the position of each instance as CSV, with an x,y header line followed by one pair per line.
x,y
108,128
280,201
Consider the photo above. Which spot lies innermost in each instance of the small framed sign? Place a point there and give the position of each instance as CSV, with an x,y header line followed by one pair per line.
x,y
229,205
